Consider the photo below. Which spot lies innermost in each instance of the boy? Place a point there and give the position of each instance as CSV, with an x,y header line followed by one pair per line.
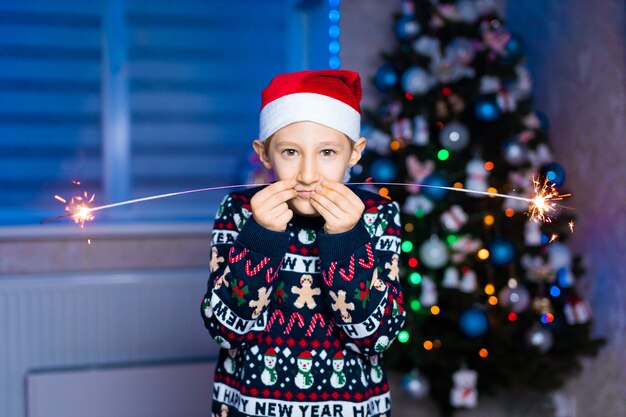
x,y
304,294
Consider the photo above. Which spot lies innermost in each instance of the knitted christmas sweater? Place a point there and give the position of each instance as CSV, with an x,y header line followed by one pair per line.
x,y
303,316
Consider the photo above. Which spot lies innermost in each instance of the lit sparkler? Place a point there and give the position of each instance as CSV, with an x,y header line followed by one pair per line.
x,y
544,201
80,209
571,226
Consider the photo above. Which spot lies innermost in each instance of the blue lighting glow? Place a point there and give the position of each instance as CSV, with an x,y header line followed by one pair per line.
x,y
334,62
334,47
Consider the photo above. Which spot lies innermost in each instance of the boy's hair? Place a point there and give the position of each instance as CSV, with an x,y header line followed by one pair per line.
x,y
329,97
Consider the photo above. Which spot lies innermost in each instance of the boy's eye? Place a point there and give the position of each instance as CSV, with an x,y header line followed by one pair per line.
x,y
328,152
289,152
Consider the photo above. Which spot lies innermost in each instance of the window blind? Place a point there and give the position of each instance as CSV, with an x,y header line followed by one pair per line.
x,y
191,76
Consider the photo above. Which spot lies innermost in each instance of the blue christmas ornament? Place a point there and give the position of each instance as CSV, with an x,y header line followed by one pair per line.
x,y
487,109
437,180
513,49
501,251
416,80
383,170
385,78
554,173
473,322
407,27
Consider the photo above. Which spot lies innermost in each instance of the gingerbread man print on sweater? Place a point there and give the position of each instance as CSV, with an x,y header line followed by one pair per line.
x,y
222,279
339,303
394,270
215,260
258,305
306,293
377,282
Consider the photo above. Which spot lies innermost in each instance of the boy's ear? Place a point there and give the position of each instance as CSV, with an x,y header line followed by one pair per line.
x,y
259,148
357,151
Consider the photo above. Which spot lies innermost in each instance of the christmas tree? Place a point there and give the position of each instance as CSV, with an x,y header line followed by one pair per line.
x,y
490,293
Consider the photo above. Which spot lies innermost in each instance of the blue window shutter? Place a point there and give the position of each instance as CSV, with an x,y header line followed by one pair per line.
x,y
182,81
49,105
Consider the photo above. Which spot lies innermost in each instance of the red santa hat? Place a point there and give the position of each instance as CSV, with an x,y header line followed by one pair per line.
x,y
338,356
328,97
270,352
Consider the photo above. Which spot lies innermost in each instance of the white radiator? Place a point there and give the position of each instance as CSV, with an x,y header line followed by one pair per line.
x,y
82,320
176,390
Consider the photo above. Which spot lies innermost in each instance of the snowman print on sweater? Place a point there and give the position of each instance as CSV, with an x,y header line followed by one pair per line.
x,y
369,218
240,219
338,378
304,378
269,376
230,363
376,372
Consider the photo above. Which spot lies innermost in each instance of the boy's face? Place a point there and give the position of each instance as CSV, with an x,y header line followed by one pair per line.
x,y
308,152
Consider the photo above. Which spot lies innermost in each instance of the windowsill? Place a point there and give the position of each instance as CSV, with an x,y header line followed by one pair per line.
x,y
126,230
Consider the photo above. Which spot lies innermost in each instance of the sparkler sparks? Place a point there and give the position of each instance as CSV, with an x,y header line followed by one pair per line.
x,y
544,201
571,226
79,208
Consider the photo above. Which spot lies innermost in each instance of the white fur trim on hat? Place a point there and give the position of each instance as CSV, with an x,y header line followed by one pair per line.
x,y
313,107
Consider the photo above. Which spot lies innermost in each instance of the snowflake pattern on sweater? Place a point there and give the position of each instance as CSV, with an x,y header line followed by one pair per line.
x,y
302,316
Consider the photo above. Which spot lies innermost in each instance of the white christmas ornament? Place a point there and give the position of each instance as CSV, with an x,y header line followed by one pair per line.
x,y
464,246
428,46
489,84
429,295
378,141
434,253
415,203
537,270
464,392
417,80
577,311
454,136
559,256
421,134
468,282
477,176
454,218
402,130
415,385
540,337
541,155
450,278
467,11
532,234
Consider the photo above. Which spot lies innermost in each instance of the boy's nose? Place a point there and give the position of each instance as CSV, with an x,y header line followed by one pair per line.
x,y
309,174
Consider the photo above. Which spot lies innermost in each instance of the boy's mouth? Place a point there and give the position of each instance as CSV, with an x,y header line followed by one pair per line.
x,y
304,194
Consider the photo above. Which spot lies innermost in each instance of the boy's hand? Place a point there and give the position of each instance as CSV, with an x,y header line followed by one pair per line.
x,y
269,206
339,206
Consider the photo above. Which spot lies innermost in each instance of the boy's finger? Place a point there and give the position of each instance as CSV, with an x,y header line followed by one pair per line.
x,y
326,213
340,197
279,198
345,191
330,206
275,187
